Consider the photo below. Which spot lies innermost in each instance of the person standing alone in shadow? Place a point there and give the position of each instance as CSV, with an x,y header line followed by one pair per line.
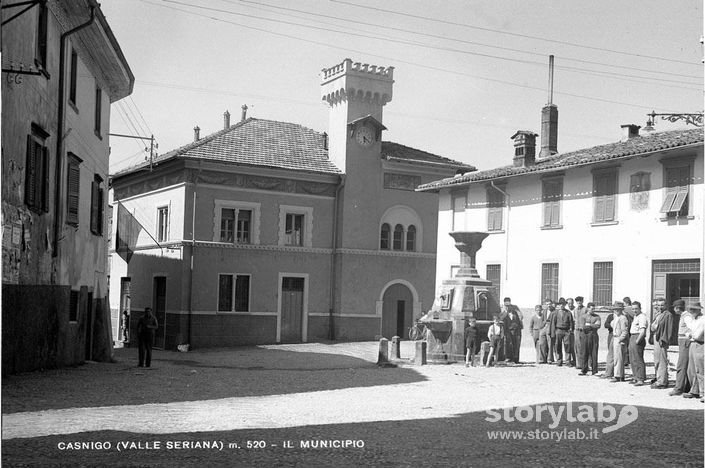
x,y
146,328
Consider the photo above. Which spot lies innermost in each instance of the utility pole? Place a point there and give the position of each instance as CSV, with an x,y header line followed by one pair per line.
x,y
152,145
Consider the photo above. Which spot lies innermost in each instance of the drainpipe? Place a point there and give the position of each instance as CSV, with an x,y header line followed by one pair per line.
x,y
60,127
506,230
193,246
333,263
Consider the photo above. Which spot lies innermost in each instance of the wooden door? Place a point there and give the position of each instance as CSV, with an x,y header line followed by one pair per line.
x,y
160,310
292,308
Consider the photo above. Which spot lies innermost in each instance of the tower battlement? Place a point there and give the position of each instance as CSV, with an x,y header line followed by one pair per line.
x,y
357,81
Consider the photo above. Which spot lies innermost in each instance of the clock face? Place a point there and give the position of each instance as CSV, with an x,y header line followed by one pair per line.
x,y
364,136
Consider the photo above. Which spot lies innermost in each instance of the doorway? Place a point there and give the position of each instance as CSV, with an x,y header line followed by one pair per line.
x,y
292,309
159,308
397,308
676,279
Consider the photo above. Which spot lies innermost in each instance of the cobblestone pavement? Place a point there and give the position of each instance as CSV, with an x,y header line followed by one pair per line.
x,y
321,391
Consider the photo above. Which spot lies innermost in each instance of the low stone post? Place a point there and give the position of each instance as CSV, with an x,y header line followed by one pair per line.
x,y
383,355
420,353
396,343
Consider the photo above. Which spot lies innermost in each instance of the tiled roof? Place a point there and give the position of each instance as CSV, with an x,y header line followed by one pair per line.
x,y
396,152
596,154
257,142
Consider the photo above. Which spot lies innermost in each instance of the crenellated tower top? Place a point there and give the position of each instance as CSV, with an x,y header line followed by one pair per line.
x,y
356,81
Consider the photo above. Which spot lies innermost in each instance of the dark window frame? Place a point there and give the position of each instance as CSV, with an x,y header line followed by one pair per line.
x,y
385,237
398,237
226,297
41,45
73,79
97,205
98,112
163,223
36,188
294,229
602,283
242,293
411,238
73,189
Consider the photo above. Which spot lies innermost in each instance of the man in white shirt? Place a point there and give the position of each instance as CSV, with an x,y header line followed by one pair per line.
x,y
637,342
620,341
695,357
494,335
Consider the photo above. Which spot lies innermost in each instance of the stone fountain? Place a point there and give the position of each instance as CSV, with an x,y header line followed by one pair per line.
x,y
458,299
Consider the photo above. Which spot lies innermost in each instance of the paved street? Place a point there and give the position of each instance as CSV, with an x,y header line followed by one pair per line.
x,y
275,396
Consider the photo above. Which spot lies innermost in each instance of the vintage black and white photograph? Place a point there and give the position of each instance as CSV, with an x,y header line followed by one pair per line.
x,y
351,233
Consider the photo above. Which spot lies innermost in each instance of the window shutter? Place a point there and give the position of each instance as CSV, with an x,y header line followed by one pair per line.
x,y
30,173
45,179
94,207
73,189
546,213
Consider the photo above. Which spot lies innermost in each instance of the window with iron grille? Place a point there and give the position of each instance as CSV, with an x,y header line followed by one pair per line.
x,y
602,283
549,281
162,224
73,306
36,189
495,209
494,274
97,199
604,194
73,189
398,239
225,293
242,293
552,195
411,238
384,237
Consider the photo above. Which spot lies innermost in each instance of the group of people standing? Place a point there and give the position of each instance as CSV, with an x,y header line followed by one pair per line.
x,y
566,332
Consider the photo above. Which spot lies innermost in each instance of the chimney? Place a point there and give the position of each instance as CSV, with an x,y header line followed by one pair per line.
x,y
226,120
196,133
549,119
325,140
244,113
524,148
629,131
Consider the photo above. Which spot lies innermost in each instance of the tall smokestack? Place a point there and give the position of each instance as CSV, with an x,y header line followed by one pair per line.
x,y
549,119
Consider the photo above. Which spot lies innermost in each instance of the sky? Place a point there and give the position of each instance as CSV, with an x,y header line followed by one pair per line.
x,y
468,73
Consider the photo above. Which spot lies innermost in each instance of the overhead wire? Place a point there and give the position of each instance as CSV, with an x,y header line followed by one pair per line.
x,y
525,36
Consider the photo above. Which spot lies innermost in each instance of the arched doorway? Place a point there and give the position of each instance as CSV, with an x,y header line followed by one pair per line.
x,y
397,310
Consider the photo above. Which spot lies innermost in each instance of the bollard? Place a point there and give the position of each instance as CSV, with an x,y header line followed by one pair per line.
x,y
383,355
396,342
420,353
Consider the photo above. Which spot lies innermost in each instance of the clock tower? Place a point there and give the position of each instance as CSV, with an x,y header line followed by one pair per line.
x,y
356,94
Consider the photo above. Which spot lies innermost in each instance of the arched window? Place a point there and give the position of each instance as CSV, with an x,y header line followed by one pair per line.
x,y
384,237
411,238
398,241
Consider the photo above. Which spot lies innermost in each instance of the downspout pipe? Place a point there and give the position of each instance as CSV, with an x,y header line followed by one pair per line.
x,y
506,229
333,263
60,127
193,246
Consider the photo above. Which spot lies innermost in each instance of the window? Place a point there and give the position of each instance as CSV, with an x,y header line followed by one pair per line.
x,y
294,230
98,110
225,293
398,239
40,57
411,238
494,274
237,296
549,281
97,198
295,226
73,306
677,185
458,201
604,193
602,283
236,222
36,188
73,77
242,293
495,208
73,186
551,197
162,224
384,237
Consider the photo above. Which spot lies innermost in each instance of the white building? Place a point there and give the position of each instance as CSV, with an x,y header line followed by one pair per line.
x,y
615,220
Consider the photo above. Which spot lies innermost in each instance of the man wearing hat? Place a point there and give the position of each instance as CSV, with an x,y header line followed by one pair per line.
x,y
663,333
620,329
591,323
682,382
695,356
637,342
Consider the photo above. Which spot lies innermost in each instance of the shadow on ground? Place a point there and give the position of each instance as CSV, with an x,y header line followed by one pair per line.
x,y
657,438
202,375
